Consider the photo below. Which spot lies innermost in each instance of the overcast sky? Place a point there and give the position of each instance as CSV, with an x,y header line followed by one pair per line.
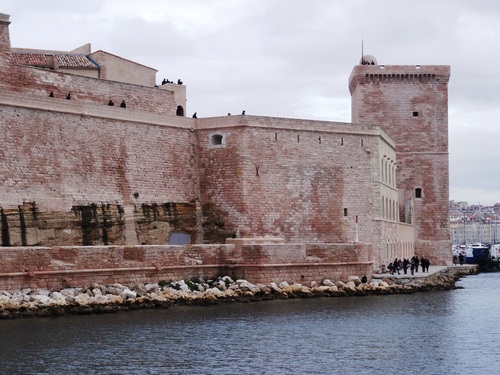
x,y
292,58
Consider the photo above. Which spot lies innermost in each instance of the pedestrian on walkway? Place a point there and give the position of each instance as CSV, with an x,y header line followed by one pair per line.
x,y
416,263
461,259
406,262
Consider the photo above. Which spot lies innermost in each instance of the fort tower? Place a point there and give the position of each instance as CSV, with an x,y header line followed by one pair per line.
x,y
410,102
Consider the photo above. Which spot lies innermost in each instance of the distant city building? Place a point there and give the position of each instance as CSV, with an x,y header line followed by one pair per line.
x,y
475,223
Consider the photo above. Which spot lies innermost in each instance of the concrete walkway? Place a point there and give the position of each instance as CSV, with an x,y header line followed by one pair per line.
x,y
420,275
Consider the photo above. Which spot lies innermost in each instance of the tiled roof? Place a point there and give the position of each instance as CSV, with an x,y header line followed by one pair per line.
x,y
32,59
62,60
74,61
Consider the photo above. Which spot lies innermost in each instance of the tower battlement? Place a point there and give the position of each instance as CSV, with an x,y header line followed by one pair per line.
x,y
412,74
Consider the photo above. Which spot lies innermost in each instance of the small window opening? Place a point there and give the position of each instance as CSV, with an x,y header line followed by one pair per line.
x,y
180,111
418,193
298,138
216,139
319,139
276,137
341,141
415,114
345,211
179,239
361,143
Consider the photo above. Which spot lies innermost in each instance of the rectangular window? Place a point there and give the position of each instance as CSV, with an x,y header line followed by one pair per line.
x,y
418,193
415,114
345,211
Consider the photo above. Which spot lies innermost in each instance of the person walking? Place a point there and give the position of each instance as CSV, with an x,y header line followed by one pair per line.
x,y
461,259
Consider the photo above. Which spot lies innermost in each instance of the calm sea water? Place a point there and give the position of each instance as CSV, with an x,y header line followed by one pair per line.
x,y
451,332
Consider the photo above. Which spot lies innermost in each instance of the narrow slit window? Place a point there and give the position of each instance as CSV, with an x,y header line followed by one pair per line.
x,y
418,193
341,141
345,211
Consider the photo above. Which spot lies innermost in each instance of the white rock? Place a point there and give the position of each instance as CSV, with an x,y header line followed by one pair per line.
x,y
340,284
247,286
41,292
284,285
152,287
41,300
99,299
114,299
127,293
114,290
296,287
183,286
351,284
68,292
57,296
82,299
276,288
327,282
214,292
4,299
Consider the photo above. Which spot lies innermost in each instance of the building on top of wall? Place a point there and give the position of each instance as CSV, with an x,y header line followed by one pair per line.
x,y
81,172
81,61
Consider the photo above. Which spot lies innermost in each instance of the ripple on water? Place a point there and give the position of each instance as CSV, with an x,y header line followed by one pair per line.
x,y
451,332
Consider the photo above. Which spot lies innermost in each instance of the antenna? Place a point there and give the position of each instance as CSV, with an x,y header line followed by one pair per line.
x,y
362,50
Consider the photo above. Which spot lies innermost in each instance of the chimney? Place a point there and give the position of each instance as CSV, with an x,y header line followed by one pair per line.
x,y
4,33
4,40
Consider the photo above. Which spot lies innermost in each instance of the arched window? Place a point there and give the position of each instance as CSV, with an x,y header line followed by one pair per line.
x,y
180,111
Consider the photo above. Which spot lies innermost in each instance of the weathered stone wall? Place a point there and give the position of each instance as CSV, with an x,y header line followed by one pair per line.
x,y
37,82
59,267
63,161
296,179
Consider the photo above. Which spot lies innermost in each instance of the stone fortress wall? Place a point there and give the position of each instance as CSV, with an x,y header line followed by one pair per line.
x,y
412,104
80,176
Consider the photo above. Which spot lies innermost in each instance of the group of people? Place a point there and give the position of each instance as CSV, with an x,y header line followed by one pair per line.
x,y
123,104
179,81
110,103
458,259
405,264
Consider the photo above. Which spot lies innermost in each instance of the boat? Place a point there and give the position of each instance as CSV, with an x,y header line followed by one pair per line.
x,y
485,256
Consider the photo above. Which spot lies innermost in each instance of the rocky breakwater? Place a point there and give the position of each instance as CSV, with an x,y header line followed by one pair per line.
x,y
97,298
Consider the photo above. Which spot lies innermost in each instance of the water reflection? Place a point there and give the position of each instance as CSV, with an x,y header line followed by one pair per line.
x,y
423,333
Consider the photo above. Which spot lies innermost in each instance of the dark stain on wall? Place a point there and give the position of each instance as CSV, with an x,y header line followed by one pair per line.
x,y
5,229
100,225
216,224
155,222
